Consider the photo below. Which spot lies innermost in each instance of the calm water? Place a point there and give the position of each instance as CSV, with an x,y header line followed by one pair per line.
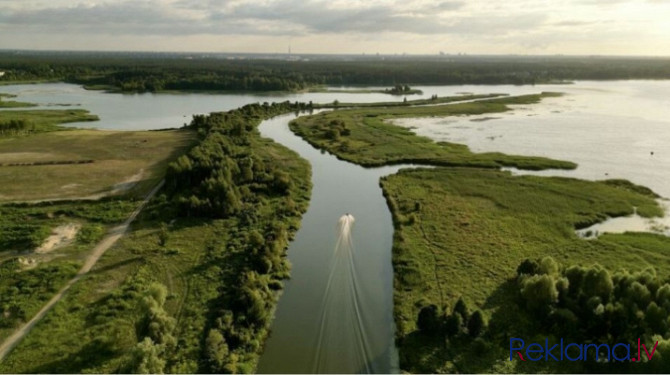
x,y
347,326
157,111
610,129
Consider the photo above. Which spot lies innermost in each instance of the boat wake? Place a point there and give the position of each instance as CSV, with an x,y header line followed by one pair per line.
x,y
342,345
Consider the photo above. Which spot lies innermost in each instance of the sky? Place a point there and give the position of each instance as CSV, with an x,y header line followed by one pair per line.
x,y
535,27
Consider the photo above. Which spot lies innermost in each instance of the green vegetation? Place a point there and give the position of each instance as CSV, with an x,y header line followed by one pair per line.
x,y
365,136
28,279
193,287
13,104
408,103
38,121
461,235
590,304
396,90
86,163
402,90
135,72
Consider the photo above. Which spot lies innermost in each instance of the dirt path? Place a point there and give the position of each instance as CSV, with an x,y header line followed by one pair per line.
x,y
114,235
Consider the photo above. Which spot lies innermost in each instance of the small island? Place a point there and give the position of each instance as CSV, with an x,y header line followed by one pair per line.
x,y
402,90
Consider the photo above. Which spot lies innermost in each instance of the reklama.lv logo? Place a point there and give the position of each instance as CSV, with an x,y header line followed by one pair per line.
x,y
576,352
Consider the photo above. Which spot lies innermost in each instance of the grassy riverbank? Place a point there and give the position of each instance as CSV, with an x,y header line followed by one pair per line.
x,y
462,233
365,136
192,288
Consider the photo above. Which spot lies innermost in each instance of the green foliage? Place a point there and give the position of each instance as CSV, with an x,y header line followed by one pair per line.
x,y
478,229
91,233
22,122
365,136
165,72
163,234
212,179
620,306
22,292
24,227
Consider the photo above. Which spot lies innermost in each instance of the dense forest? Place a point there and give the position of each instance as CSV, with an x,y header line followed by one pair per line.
x,y
164,72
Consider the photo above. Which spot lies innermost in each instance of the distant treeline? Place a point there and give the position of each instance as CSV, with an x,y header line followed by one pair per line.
x,y
140,73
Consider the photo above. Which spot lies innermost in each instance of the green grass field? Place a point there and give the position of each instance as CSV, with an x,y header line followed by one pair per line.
x,y
463,232
114,161
365,136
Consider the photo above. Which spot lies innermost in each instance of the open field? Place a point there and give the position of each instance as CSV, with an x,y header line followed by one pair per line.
x,y
111,162
365,136
464,232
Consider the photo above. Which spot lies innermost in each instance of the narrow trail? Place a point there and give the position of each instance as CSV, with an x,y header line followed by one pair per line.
x,y
114,235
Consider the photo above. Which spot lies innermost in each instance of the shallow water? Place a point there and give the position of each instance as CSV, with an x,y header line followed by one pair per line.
x,y
632,223
158,111
617,129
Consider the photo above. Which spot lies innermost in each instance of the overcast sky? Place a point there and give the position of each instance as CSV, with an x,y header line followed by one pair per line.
x,y
604,27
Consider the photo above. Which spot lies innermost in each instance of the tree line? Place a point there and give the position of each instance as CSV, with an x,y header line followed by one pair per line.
x,y
591,304
136,73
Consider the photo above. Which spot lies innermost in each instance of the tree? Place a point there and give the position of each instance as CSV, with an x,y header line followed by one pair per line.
x,y
216,350
163,235
462,309
428,321
476,324
146,358
539,292
453,325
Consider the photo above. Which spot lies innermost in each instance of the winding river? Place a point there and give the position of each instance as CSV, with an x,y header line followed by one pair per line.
x,y
336,313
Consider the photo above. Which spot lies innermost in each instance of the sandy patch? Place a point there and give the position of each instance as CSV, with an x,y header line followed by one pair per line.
x,y
60,236
27,263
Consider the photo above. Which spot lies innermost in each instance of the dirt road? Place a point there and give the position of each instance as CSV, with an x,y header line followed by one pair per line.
x,y
114,235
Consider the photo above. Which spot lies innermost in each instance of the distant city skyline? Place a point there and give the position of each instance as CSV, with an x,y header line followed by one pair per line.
x,y
571,27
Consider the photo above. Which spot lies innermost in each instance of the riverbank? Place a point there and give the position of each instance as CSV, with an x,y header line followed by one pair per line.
x,y
189,289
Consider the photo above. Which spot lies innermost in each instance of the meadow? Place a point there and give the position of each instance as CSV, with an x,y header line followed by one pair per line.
x,y
86,163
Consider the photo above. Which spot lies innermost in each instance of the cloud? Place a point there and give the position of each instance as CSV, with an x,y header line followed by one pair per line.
x,y
287,17
518,25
